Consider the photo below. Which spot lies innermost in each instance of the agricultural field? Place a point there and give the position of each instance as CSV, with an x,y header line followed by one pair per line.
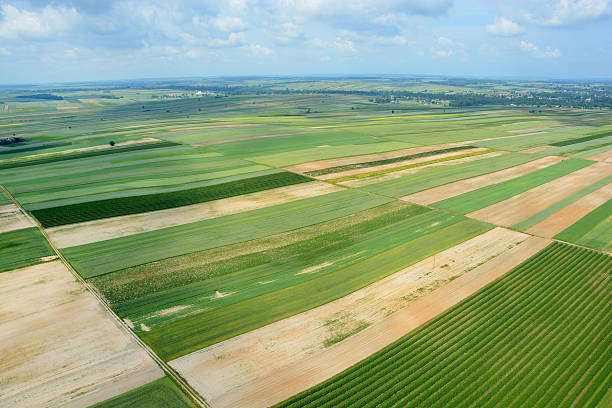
x,y
274,244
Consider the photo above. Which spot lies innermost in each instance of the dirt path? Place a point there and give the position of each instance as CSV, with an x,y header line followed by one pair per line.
x,y
59,346
464,186
397,164
12,218
343,161
108,228
562,219
524,205
269,364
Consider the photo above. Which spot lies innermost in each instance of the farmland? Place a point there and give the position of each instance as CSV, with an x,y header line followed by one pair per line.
x,y
273,244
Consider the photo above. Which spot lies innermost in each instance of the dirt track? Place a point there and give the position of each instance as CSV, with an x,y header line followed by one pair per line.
x,y
269,364
59,347
524,205
100,230
464,186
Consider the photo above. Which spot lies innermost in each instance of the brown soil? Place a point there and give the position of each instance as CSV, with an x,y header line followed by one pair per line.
x,y
464,186
267,365
12,218
108,228
524,205
562,219
59,346
604,156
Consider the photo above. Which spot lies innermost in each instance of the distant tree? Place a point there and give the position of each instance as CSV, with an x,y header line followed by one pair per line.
x,y
392,111
112,143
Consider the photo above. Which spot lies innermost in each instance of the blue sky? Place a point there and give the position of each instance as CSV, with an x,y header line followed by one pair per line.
x,y
54,41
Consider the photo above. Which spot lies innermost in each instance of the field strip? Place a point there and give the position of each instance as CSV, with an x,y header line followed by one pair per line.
x,y
234,369
85,149
100,230
12,218
343,161
464,186
605,156
524,205
537,149
59,345
348,173
569,215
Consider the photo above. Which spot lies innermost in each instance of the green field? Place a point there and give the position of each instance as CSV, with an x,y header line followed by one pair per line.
x,y
94,210
193,333
434,177
114,254
483,197
21,248
162,393
537,337
593,230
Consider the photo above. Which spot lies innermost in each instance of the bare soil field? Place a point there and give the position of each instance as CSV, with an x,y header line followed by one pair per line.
x,y
397,164
343,161
59,346
604,157
464,186
538,149
524,205
562,219
269,364
12,218
99,230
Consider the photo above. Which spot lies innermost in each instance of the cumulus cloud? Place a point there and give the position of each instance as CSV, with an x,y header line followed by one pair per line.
x,y
233,40
539,53
504,27
50,22
260,51
570,13
446,48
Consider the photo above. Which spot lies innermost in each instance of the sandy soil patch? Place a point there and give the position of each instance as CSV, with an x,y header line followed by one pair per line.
x,y
59,346
271,363
567,216
604,156
98,147
100,230
538,149
524,205
402,173
67,107
464,186
13,218
397,164
343,161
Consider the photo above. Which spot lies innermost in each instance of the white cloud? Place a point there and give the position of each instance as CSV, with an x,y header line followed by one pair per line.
x,y
504,27
570,13
233,40
230,24
345,45
447,48
441,53
539,53
261,51
49,23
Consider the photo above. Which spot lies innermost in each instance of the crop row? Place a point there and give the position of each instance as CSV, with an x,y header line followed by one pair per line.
x,y
57,157
162,393
74,213
538,337
21,248
594,136
352,166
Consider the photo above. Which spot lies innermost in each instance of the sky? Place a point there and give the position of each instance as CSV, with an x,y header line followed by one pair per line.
x,y
83,40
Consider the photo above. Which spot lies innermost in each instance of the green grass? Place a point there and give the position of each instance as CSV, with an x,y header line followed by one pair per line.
x,y
21,248
593,230
52,158
162,393
559,205
434,177
385,161
74,213
322,256
483,197
594,136
537,337
114,254
4,198
193,333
